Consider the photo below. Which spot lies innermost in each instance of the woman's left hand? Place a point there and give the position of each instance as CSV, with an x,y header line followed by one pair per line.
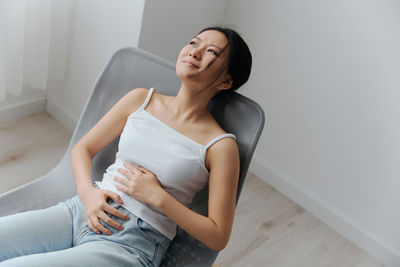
x,y
141,183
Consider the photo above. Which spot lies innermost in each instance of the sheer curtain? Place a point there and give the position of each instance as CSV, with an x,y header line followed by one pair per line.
x,y
24,45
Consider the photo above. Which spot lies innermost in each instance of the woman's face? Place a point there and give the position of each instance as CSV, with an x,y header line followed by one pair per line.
x,y
204,59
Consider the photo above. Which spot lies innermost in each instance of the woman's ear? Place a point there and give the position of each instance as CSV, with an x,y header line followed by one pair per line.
x,y
226,84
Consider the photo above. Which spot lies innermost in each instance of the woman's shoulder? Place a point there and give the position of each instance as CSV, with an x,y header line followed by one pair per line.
x,y
136,98
135,92
214,129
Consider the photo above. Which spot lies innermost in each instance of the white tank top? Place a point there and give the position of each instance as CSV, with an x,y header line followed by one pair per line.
x,y
176,160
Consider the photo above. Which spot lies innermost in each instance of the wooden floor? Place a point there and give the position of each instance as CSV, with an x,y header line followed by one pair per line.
x,y
269,229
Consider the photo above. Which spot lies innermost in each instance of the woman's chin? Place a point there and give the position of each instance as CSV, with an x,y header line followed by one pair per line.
x,y
188,76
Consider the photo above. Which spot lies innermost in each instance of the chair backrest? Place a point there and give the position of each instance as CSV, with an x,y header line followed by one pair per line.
x,y
130,68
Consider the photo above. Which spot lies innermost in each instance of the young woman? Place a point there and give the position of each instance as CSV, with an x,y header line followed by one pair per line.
x,y
170,147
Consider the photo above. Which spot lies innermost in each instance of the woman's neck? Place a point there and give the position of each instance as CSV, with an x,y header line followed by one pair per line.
x,y
190,104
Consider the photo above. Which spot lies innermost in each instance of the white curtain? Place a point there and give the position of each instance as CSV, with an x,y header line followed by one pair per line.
x,y
24,45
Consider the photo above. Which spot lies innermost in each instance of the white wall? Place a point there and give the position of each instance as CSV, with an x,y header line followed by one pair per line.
x,y
168,25
327,75
81,48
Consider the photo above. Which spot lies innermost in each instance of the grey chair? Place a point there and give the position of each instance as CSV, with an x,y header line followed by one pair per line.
x,y
129,68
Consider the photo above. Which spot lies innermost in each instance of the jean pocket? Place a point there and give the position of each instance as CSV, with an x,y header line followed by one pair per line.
x,y
147,243
146,230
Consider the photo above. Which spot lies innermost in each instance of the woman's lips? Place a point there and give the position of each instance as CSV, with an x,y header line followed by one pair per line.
x,y
191,64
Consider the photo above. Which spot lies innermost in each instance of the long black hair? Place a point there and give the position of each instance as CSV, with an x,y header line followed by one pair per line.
x,y
239,60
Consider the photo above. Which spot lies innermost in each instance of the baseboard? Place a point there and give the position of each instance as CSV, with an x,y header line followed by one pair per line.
x,y
22,109
60,115
316,207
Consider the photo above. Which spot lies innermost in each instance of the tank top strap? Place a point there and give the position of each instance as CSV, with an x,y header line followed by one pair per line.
x,y
218,138
149,94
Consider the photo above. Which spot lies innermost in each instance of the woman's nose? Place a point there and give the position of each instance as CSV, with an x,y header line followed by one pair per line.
x,y
196,53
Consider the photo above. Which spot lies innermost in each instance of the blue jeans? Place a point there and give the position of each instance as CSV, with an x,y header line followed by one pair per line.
x,y
59,236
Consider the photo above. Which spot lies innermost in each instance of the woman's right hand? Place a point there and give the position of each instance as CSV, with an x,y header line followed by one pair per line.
x,y
95,203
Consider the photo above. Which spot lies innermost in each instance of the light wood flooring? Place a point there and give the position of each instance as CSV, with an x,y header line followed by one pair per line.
x,y
269,230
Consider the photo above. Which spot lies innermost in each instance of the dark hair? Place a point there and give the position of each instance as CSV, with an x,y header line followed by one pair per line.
x,y
239,62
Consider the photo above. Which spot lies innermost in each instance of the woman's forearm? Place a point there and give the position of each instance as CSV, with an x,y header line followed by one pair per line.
x,y
200,227
81,163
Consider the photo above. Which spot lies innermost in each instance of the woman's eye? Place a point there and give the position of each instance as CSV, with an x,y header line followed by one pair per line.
x,y
192,43
213,51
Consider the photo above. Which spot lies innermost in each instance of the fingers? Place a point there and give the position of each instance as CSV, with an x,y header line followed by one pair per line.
x,y
140,168
91,226
96,226
134,168
115,197
129,166
121,181
99,226
128,173
111,210
94,223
